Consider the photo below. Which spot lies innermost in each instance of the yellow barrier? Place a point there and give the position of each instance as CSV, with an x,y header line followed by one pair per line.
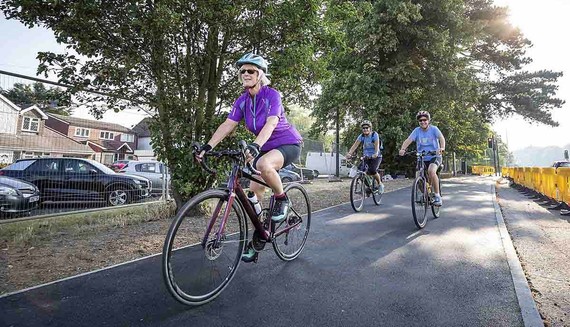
x,y
536,180
548,176
562,181
527,177
483,170
505,172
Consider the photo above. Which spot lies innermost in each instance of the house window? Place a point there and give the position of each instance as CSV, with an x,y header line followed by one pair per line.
x,y
107,135
81,132
127,138
30,124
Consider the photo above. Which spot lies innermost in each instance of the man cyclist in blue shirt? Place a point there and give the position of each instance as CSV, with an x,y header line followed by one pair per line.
x,y
428,138
371,146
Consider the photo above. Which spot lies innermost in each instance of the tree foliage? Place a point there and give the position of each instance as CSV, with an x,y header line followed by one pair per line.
x,y
176,57
459,59
53,100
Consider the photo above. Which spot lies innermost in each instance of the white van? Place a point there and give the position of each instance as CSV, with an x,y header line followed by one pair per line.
x,y
325,163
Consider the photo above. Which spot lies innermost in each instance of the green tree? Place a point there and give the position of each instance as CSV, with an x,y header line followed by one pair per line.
x,y
52,100
177,58
459,59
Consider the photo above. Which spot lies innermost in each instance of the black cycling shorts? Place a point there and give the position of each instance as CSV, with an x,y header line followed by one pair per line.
x,y
373,164
434,160
290,152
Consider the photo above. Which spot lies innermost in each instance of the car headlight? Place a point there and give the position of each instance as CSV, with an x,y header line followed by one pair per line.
x,y
7,191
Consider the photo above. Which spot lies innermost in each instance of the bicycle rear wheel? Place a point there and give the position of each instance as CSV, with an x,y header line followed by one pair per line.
x,y
199,260
419,202
357,192
290,236
376,195
435,209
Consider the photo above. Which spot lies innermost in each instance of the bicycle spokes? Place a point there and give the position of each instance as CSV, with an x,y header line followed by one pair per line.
x,y
289,236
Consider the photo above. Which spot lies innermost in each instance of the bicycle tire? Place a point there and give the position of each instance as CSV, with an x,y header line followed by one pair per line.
x,y
290,236
419,202
185,262
435,210
376,196
357,185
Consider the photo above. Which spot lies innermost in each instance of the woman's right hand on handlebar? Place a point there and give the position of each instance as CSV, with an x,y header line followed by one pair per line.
x,y
402,152
199,155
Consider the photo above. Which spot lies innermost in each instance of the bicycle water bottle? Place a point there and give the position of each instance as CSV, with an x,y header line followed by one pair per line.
x,y
253,199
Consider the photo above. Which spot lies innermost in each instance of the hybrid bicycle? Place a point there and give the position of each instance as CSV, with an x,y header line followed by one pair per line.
x,y
363,186
203,248
422,195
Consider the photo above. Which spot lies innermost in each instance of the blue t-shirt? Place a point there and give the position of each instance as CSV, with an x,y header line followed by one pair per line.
x,y
368,144
427,140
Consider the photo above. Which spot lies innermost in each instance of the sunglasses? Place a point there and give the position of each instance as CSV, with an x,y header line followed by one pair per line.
x,y
366,127
422,120
249,71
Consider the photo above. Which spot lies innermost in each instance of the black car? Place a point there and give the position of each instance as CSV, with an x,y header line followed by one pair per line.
x,y
307,173
17,196
75,179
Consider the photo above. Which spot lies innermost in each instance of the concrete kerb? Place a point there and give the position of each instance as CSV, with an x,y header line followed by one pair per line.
x,y
529,311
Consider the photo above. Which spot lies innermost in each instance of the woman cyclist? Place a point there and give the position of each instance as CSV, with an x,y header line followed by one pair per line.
x,y
277,142
428,138
371,146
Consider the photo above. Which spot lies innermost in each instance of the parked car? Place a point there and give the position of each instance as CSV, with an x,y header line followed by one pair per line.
x,y
155,171
17,196
307,173
119,164
75,179
563,163
286,176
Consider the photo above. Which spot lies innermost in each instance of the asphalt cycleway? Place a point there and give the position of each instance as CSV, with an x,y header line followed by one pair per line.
x,y
358,269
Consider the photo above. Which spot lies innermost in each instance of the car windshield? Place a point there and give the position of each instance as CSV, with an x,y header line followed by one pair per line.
x,y
101,167
20,165
564,164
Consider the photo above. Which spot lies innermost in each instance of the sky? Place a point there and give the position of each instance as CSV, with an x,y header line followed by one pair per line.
x,y
544,22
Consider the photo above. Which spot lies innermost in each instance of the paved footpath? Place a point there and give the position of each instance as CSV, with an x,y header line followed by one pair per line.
x,y
542,240
373,268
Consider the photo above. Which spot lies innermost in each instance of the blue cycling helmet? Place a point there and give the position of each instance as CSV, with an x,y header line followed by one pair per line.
x,y
256,60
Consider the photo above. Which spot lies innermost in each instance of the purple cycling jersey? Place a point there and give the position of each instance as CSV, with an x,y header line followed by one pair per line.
x,y
255,111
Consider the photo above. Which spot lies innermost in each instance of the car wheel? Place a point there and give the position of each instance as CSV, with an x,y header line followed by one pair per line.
x,y
316,173
286,180
118,196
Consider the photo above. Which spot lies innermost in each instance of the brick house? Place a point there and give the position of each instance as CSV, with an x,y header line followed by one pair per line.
x,y
24,134
109,141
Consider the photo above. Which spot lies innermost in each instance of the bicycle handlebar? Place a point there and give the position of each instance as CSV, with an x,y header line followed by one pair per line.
x,y
421,154
234,154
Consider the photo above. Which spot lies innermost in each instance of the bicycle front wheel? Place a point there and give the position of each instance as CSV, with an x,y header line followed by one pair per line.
x,y
199,259
357,192
376,195
290,236
419,202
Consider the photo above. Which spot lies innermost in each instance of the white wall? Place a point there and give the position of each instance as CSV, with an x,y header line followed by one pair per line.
x,y
144,144
8,118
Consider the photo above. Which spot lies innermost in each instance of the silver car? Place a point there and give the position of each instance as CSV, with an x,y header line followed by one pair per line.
x,y
155,171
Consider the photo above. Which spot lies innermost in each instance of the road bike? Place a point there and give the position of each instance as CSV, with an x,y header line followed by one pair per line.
x,y
422,195
203,248
363,186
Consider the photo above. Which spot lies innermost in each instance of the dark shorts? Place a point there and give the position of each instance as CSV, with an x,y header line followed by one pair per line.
x,y
434,160
373,164
290,152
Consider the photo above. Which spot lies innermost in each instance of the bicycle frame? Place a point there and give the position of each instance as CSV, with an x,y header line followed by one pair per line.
x,y
235,189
